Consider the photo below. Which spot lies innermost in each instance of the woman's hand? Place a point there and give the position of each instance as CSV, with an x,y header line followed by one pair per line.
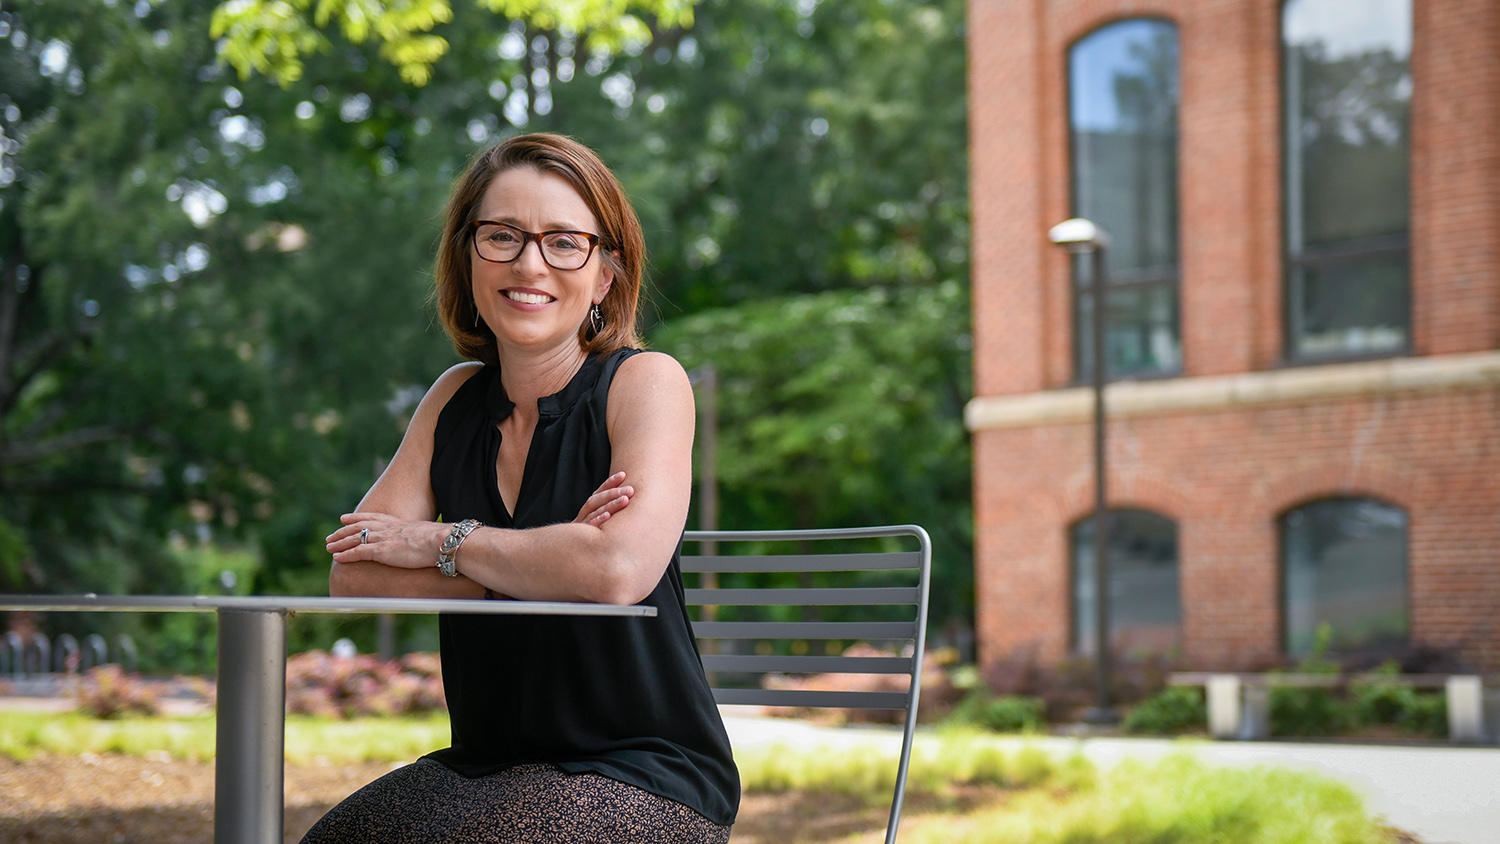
x,y
610,498
379,538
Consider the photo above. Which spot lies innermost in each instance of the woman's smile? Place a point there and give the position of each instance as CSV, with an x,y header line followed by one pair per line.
x,y
527,297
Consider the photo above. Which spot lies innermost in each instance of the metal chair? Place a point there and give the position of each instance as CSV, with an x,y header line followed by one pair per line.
x,y
903,608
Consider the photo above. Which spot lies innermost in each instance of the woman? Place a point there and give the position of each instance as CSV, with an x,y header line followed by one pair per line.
x,y
514,469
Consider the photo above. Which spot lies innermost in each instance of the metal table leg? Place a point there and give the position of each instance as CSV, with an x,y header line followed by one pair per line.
x,y
251,728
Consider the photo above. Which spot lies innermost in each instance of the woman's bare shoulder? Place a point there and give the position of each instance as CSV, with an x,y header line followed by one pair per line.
x,y
443,389
652,383
452,378
649,367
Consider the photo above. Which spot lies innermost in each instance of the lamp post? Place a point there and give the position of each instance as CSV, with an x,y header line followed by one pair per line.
x,y
1081,236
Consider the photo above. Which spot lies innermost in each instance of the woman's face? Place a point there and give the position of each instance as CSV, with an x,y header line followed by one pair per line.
x,y
527,304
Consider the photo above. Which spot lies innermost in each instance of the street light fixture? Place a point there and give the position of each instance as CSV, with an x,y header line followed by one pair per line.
x,y
1081,236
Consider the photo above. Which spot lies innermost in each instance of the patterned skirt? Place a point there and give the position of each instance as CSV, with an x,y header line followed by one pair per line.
x,y
527,804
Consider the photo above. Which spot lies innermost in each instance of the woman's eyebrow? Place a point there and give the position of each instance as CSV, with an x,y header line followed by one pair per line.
x,y
552,226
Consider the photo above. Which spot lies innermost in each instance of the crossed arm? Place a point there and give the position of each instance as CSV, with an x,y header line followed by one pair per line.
x,y
615,550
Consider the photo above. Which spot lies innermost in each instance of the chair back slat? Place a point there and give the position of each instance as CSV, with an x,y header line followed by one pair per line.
x,y
839,596
812,698
804,562
732,619
804,629
746,663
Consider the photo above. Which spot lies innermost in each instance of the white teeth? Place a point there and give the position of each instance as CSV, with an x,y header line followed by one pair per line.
x,y
527,298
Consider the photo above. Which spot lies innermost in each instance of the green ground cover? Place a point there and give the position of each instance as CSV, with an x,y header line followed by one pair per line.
x,y
1066,800
23,734
1040,798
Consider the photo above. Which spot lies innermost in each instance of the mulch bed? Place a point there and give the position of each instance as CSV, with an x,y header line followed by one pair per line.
x,y
113,799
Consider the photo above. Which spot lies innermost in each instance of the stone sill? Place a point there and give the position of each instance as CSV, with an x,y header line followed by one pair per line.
x,y
1230,392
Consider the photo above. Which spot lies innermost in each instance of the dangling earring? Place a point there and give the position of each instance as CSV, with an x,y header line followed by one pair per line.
x,y
596,319
476,317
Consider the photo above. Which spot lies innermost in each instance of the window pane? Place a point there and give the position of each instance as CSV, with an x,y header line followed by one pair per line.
x,y
1123,105
1140,333
1122,101
1344,565
1356,307
1145,606
1347,88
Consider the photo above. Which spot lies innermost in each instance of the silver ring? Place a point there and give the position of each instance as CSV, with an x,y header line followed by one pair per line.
x,y
364,535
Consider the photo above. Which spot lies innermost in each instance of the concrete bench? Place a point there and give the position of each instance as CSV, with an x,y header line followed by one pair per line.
x,y
1239,705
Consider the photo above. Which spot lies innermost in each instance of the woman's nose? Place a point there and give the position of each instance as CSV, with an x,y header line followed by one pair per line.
x,y
530,262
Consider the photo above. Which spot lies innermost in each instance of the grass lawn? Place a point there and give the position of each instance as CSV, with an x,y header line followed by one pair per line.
x,y
962,788
308,740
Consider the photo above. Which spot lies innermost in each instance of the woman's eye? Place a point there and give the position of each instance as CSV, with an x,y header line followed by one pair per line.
x,y
564,243
502,236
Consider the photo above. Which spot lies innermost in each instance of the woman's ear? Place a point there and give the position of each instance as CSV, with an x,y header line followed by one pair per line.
x,y
606,278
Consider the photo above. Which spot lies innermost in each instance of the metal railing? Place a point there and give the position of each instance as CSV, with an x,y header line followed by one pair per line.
x,y
37,658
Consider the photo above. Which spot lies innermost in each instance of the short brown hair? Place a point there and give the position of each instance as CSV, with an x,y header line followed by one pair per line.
x,y
621,245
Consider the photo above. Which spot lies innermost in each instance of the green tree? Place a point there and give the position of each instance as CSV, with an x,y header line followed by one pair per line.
x,y
211,319
841,409
272,36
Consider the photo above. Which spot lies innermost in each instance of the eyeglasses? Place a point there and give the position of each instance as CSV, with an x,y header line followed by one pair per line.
x,y
501,243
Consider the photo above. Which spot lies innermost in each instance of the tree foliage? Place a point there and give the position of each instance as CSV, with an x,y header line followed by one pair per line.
x,y
271,37
839,409
212,288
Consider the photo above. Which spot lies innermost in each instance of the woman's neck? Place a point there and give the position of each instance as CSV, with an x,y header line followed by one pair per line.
x,y
528,376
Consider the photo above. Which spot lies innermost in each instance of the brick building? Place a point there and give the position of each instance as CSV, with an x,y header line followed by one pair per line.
x,y
1304,427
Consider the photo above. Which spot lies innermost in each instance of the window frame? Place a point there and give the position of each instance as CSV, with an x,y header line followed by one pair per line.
x,y
1283,628
1074,634
1119,282
1351,251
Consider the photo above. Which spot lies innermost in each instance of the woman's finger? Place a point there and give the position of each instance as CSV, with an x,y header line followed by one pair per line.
x,y
601,513
603,497
354,554
343,543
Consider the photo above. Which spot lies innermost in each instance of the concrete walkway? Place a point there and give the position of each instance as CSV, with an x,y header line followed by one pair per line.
x,y
1445,795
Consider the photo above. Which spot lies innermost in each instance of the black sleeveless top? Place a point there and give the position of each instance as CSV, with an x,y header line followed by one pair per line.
x,y
622,697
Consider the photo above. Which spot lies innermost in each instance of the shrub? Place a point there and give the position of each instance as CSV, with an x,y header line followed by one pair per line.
x,y
1068,686
1402,707
1307,712
1004,714
108,692
321,684
1172,710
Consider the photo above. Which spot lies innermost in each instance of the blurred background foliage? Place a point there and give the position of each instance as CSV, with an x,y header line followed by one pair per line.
x,y
212,285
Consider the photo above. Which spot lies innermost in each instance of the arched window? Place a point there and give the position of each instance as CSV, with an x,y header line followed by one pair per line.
x,y
1122,121
1346,108
1343,564
1145,604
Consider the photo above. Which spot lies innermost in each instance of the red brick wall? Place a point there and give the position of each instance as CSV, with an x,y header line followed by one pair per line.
x,y
1226,476
1456,175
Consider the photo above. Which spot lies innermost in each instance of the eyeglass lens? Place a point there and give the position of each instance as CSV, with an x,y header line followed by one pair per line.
x,y
562,250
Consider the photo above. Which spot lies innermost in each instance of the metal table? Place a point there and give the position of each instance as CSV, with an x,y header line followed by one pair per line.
x,y
250,731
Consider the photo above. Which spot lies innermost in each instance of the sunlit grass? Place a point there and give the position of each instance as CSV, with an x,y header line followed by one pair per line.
x,y
1046,799
1065,800
937,765
24,734
1173,801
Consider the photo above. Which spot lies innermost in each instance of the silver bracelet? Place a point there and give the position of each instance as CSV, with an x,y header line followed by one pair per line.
x,y
447,562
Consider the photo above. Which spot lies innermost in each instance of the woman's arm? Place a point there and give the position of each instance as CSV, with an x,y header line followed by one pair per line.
x,y
404,492
376,579
618,560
